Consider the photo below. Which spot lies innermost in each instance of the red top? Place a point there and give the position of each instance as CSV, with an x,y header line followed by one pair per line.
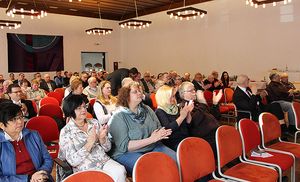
x,y
23,159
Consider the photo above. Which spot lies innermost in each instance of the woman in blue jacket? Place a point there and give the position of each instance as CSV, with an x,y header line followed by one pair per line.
x,y
23,155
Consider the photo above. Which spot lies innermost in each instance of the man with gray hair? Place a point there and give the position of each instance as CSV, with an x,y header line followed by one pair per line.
x,y
250,105
279,94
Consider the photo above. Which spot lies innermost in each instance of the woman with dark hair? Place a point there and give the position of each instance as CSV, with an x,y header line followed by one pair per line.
x,y
84,143
225,80
23,154
135,129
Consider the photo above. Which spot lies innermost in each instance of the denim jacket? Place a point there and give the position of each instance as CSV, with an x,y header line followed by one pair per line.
x,y
36,149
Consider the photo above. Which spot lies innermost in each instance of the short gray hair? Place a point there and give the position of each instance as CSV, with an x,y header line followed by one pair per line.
x,y
241,79
182,88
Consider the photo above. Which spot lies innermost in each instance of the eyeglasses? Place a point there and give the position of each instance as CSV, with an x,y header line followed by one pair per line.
x,y
192,90
82,107
16,92
17,118
136,91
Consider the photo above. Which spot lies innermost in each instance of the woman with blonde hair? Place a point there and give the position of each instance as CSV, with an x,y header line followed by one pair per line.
x,y
105,104
172,117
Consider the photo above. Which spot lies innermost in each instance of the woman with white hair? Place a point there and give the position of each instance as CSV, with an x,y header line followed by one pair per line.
x,y
92,89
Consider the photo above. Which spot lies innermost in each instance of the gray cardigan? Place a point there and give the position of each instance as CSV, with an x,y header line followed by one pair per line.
x,y
123,129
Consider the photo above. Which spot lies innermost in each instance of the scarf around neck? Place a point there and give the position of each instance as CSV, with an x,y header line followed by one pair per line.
x,y
170,109
138,117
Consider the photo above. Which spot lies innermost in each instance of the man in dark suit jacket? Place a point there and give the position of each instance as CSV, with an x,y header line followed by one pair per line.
x,y
197,81
117,76
14,91
47,84
244,100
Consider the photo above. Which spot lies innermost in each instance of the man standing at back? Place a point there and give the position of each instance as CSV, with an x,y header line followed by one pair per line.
x,y
117,76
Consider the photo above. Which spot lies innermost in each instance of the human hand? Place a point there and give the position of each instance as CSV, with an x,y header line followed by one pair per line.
x,y
24,109
217,97
200,97
103,133
160,134
92,136
39,176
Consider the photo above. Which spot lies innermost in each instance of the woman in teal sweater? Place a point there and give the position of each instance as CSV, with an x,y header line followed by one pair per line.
x,y
135,129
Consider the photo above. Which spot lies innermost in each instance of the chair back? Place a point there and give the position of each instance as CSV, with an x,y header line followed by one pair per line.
x,y
153,99
228,92
250,134
229,144
61,91
92,102
269,127
56,95
46,126
34,106
89,176
208,95
195,159
48,100
51,110
296,108
155,166
89,115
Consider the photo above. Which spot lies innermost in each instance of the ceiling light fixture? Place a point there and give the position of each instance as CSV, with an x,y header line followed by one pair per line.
x,y
10,24
256,3
14,10
186,13
99,31
135,23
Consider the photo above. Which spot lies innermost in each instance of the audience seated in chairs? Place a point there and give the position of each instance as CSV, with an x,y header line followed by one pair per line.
x,y
105,104
225,80
77,89
135,129
279,94
83,143
172,117
47,84
23,155
14,92
250,106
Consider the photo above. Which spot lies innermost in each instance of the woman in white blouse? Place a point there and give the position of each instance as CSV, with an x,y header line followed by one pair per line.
x,y
83,143
105,104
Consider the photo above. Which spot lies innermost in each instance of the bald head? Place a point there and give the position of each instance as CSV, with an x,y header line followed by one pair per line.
x,y
242,81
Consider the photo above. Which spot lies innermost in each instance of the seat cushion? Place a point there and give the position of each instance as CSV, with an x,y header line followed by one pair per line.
x,y
223,109
283,160
288,147
252,172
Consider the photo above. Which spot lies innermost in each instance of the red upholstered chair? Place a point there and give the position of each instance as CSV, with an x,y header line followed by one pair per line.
x,y
56,95
47,128
228,92
208,95
296,108
153,99
89,115
251,140
48,100
89,176
271,132
61,91
51,110
229,147
195,159
92,102
155,167
34,106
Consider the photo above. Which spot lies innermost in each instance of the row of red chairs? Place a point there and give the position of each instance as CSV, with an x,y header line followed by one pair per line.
x,y
196,159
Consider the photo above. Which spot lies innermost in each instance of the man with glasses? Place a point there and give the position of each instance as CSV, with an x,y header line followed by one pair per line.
x,y
14,92
147,82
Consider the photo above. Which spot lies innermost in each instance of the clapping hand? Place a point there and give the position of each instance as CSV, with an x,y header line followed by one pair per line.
x,y
200,97
160,134
39,176
217,97
103,133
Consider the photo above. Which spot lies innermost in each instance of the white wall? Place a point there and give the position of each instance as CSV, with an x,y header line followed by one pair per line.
x,y
72,28
232,37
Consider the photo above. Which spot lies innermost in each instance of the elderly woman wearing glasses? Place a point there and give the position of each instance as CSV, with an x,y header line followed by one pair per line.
x,y
135,129
84,143
23,154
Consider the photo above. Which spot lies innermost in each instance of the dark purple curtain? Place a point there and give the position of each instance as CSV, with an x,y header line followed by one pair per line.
x,y
34,53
